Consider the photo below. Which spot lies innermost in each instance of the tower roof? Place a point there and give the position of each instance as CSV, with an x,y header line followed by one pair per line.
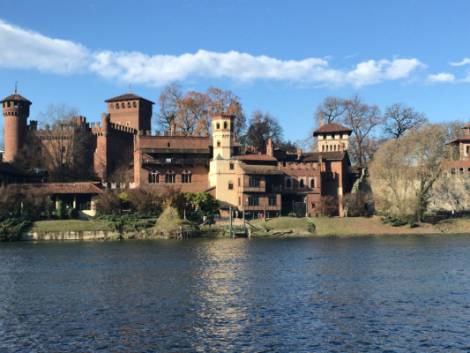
x,y
331,128
127,97
15,98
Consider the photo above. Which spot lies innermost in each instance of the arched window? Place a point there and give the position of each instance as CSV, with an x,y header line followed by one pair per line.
x,y
128,104
218,143
225,125
288,183
217,126
134,104
312,183
301,183
170,177
117,105
154,177
123,105
186,176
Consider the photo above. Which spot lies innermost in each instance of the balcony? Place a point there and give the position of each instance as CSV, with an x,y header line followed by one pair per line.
x,y
263,203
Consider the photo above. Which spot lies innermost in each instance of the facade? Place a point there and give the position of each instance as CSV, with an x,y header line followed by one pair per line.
x,y
123,150
459,163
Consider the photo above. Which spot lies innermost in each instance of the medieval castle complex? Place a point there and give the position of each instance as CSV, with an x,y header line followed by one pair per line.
x,y
271,183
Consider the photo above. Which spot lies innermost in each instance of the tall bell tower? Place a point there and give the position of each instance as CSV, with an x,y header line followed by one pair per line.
x,y
222,165
15,112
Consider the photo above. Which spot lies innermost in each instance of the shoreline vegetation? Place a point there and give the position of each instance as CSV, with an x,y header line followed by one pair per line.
x,y
282,227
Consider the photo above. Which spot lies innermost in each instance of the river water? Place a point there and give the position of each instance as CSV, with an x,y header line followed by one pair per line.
x,y
374,294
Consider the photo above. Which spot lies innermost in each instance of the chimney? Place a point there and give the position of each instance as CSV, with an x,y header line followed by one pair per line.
x,y
269,148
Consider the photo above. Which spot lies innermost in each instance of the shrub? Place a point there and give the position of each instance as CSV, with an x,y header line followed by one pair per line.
x,y
108,203
311,226
328,206
145,202
12,228
359,204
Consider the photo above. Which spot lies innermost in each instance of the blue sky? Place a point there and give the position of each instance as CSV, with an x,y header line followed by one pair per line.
x,y
277,56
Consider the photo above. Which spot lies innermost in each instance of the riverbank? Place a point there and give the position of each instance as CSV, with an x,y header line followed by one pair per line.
x,y
276,227
353,226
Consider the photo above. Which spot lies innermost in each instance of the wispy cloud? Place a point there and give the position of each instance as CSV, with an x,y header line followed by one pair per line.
x,y
463,62
24,49
442,77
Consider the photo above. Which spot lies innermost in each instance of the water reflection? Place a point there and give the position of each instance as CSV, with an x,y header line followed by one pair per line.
x,y
301,295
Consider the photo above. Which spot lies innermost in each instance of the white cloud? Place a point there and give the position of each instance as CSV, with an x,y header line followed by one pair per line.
x,y
441,77
463,62
23,49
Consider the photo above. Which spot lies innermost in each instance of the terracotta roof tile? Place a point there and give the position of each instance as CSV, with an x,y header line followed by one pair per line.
x,y
62,188
16,98
331,128
261,169
255,157
126,97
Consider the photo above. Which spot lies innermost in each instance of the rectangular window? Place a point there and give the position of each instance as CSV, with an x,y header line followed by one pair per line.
x,y
254,182
231,166
239,181
272,200
230,185
154,177
186,177
253,200
170,178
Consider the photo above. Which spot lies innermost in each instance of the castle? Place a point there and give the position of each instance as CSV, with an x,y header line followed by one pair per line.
x,y
272,183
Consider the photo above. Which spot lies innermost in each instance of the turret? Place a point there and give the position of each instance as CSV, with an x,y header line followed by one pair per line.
x,y
332,137
222,136
132,111
15,112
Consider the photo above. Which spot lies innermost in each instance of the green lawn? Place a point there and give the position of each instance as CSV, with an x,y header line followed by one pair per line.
x,y
296,226
70,225
358,226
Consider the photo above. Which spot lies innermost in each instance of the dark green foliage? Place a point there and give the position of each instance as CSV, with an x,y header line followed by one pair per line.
x,y
311,226
395,221
12,228
128,223
197,206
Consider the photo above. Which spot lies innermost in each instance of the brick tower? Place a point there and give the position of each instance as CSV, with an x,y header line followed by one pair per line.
x,y
132,111
15,112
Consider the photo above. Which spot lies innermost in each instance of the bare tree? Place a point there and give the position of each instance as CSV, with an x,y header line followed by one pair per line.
x,y
363,119
400,118
330,110
191,113
64,147
262,126
404,170
169,104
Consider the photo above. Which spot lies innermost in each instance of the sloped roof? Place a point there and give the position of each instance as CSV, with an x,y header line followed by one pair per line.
x,y
331,128
255,157
329,156
261,169
61,188
15,98
127,97
7,168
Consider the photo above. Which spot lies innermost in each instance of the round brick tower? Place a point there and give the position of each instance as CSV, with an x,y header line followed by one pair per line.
x,y
15,112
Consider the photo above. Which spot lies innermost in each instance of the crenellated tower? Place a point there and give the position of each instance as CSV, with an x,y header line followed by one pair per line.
x,y
15,112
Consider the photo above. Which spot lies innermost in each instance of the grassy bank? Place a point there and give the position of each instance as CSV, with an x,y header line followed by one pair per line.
x,y
357,226
286,226
72,225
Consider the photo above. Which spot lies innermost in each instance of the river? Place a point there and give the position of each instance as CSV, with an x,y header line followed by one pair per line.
x,y
371,294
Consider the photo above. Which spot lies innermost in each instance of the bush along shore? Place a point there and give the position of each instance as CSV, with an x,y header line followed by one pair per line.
x,y
141,214
170,225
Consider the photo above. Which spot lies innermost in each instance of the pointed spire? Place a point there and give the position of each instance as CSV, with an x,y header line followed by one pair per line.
x,y
16,87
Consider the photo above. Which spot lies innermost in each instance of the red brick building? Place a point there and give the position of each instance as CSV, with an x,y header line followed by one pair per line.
x,y
124,151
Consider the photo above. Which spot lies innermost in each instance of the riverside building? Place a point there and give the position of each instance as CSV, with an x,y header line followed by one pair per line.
x,y
124,153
